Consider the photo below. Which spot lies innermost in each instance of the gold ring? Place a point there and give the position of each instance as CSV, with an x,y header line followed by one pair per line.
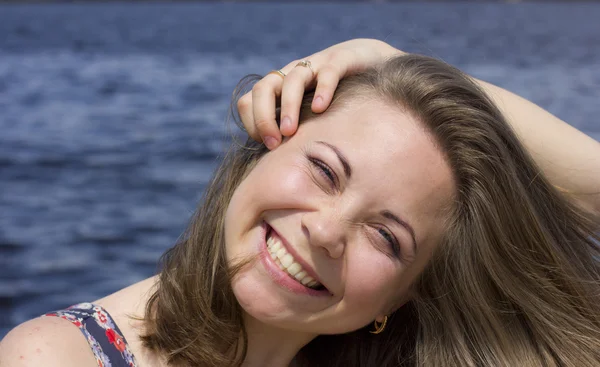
x,y
306,63
278,72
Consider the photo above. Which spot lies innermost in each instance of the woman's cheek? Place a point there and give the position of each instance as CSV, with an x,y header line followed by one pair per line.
x,y
291,180
370,279
298,181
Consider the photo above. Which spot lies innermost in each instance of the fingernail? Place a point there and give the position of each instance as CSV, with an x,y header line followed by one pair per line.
x,y
286,123
318,101
270,142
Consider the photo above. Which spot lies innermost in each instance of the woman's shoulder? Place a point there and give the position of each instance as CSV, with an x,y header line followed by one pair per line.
x,y
86,334
46,341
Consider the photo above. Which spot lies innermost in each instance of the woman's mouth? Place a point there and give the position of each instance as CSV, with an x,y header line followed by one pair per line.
x,y
287,263
286,269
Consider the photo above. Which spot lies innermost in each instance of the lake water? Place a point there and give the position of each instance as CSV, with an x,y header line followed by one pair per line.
x,y
112,115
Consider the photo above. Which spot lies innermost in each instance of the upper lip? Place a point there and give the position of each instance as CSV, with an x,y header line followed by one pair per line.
x,y
305,266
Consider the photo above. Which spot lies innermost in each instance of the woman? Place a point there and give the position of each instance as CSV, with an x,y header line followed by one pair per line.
x,y
406,225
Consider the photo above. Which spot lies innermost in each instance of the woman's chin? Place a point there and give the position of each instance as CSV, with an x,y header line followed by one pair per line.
x,y
258,299
272,307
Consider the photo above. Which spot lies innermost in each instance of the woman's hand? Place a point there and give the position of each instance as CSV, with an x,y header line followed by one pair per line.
x,y
327,67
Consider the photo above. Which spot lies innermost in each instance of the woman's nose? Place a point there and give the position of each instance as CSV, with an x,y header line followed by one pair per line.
x,y
325,229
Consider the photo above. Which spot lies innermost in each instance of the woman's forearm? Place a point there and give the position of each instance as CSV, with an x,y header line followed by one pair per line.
x,y
569,158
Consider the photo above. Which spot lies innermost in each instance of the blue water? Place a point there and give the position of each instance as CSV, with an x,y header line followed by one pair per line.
x,y
112,115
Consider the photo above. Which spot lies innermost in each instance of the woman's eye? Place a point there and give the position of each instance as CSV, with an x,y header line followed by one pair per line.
x,y
391,240
326,172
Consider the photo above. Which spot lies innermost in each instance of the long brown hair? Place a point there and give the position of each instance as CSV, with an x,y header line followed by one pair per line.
x,y
514,282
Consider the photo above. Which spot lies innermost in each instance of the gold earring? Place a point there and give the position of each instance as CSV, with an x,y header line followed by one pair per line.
x,y
379,327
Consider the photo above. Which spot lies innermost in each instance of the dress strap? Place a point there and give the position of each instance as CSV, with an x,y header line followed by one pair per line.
x,y
101,332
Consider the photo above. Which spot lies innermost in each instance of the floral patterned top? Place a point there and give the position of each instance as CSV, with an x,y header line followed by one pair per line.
x,y
103,335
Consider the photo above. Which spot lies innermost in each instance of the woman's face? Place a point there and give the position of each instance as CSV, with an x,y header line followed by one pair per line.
x,y
351,205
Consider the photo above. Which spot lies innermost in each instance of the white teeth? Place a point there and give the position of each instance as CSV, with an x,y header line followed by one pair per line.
x,y
300,275
307,279
286,262
294,269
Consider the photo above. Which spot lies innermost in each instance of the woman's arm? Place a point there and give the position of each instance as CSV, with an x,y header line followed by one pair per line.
x,y
569,158
48,342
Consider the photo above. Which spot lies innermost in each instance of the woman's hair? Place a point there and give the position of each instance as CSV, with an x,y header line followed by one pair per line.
x,y
515,280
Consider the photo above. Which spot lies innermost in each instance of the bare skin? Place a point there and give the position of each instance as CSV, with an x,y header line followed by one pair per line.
x,y
569,158
53,342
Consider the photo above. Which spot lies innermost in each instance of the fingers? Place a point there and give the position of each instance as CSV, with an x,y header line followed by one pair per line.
x,y
294,85
244,106
327,82
258,110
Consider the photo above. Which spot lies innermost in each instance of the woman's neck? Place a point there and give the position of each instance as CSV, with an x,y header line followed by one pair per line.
x,y
271,346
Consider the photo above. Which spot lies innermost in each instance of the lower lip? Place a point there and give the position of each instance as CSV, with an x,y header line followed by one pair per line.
x,y
281,277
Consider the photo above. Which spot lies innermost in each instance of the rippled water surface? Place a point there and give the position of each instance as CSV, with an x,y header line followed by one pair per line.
x,y
112,115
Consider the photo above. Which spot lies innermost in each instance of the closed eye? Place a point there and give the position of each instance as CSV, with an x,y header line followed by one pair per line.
x,y
325,171
391,240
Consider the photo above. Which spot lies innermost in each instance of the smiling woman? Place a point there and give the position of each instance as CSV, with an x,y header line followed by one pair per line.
x,y
409,203
330,223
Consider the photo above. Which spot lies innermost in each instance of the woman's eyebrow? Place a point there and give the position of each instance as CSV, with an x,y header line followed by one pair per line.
x,y
341,157
388,214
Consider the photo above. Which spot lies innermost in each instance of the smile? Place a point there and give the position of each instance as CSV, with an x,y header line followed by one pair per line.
x,y
287,263
286,268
